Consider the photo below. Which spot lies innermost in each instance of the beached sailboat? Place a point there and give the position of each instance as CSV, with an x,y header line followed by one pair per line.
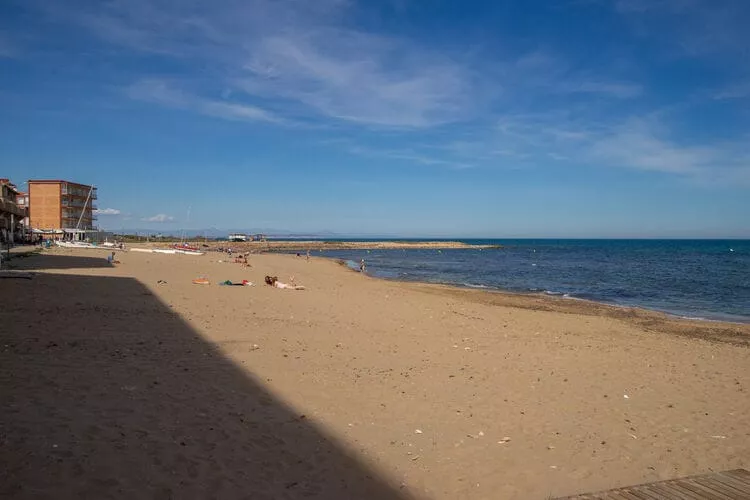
x,y
78,238
76,244
186,249
182,247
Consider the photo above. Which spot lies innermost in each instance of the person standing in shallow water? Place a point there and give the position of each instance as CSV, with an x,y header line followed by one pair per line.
x,y
362,266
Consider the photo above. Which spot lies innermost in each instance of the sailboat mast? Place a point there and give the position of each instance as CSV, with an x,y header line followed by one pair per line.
x,y
184,231
86,203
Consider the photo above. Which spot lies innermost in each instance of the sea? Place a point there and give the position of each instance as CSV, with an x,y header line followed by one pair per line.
x,y
699,279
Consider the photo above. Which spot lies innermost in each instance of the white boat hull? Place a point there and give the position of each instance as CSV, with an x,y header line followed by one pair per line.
x,y
79,244
189,252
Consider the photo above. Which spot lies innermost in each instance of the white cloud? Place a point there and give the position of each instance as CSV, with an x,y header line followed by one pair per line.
x,y
159,218
548,73
302,61
360,77
289,62
297,55
571,138
160,92
738,90
637,144
409,156
107,211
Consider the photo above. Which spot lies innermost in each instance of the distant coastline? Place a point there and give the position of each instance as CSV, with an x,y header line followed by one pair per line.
x,y
315,245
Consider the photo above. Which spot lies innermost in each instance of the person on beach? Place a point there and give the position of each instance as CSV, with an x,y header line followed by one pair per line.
x,y
362,266
111,259
242,259
307,257
274,282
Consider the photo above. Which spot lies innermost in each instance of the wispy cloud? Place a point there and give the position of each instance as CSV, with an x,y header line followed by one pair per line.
x,y
107,211
298,55
570,139
159,218
636,144
643,143
360,78
304,61
160,92
740,90
288,62
409,156
544,73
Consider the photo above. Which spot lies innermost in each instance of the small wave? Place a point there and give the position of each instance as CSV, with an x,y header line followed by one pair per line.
x,y
697,318
472,285
571,297
550,292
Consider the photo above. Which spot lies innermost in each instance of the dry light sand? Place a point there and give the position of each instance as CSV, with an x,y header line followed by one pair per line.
x,y
115,386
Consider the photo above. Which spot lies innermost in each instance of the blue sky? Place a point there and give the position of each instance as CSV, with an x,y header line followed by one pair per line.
x,y
557,118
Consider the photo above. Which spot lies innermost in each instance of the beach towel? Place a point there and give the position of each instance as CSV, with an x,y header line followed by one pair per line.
x,y
230,283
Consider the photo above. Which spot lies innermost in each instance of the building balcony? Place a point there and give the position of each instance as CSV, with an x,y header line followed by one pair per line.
x,y
76,215
74,191
10,207
75,222
77,203
75,198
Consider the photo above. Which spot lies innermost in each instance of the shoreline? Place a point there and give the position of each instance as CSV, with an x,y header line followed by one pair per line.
x,y
610,309
301,246
315,245
736,333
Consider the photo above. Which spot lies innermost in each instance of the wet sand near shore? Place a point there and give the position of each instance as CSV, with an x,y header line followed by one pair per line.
x,y
647,320
118,386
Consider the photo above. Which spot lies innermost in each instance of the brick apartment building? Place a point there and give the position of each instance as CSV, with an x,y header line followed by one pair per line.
x,y
11,214
23,204
57,205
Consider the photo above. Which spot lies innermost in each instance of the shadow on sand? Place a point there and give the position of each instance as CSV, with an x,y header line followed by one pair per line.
x,y
106,393
31,261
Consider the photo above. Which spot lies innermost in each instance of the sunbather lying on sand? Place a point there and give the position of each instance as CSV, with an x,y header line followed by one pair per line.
x,y
274,281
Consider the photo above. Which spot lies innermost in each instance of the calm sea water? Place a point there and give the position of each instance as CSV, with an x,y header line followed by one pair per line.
x,y
707,279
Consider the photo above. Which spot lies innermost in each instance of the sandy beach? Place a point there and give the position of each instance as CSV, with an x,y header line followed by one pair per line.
x,y
133,382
